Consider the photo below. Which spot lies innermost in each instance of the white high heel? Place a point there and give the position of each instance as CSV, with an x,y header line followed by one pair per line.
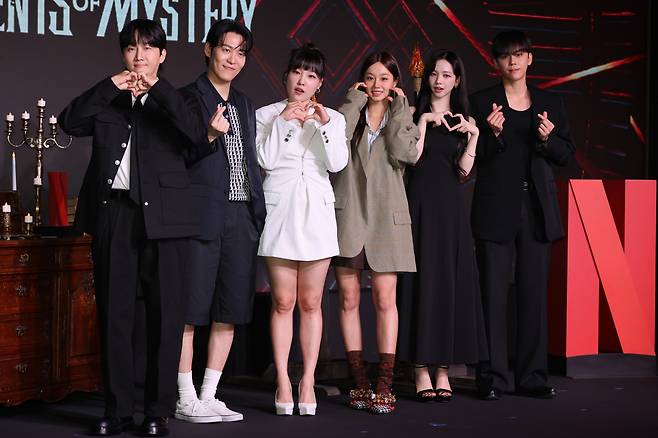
x,y
284,408
305,408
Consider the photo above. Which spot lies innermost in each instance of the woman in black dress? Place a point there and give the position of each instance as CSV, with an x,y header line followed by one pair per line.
x,y
441,319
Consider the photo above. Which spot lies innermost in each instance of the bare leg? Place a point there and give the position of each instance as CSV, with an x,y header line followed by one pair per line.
x,y
310,285
283,279
187,350
219,345
349,288
383,294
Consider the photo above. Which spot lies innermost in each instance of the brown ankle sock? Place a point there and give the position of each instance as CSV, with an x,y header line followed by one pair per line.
x,y
385,378
358,370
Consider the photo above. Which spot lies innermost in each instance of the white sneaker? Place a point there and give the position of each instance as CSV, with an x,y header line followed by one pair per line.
x,y
196,411
218,407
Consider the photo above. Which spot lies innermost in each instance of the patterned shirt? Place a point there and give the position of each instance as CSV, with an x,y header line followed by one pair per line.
x,y
238,177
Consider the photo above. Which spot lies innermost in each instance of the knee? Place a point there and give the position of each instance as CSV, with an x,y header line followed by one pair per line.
x,y
310,304
283,305
349,302
385,303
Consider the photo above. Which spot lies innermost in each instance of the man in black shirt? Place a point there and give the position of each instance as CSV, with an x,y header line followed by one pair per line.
x,y
220,277
515,214
135,201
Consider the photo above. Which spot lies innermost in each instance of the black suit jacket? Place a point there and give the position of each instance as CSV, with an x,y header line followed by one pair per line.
x,y
497,197
210,176
167,136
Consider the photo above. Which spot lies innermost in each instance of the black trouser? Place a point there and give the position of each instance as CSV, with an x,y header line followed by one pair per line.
x,y
127,263
495,261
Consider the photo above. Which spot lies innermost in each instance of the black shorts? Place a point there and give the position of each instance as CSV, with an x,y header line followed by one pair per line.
x,y
221,273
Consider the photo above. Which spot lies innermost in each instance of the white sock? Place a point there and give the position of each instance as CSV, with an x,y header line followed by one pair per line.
x,y
186,391
210,382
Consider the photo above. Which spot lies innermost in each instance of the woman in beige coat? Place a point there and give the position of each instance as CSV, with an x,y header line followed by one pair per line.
x,y
372,215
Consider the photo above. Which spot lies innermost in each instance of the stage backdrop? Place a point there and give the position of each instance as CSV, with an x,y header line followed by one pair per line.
x,y
593,53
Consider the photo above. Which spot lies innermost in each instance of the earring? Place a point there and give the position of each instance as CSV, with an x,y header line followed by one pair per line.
x,y
318,90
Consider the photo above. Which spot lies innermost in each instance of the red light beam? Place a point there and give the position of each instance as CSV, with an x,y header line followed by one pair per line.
x,y
592,71
637,131
464,30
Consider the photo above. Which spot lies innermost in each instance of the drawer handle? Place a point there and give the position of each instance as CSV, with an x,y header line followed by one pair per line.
x,y
21,290
20,330
23,259
21,368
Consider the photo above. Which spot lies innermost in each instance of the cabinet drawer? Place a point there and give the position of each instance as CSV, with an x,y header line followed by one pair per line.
x,y
24,335
76,256
29,293
23,372
17,259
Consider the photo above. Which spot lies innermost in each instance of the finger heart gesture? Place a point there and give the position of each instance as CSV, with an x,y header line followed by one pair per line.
x,y
319,114
545,126
218,124
296,111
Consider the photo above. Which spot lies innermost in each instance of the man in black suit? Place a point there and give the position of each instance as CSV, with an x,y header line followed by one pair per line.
x,y
515,214
228,190
136,202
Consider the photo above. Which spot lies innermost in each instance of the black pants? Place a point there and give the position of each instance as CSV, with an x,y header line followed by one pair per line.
x,y
126,264
495,261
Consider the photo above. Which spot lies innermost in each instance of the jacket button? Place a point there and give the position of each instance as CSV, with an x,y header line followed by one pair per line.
x,y
117,162
123,145
146,204
109,181
104,202
130,126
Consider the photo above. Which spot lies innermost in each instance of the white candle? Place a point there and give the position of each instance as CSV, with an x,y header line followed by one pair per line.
x,y
25,115
37,181
10,117
13,171
6,208
41,103
52,120
28,218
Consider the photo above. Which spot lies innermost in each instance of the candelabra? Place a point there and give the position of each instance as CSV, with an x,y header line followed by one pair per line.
x,y
39,143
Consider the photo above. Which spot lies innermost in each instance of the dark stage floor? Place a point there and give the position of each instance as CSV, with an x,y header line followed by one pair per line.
x,y
584,408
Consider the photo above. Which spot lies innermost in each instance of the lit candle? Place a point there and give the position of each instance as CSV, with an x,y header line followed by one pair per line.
x,y
28,218
10,117
13,171
25,115
52,120
6,208
37,181
41,103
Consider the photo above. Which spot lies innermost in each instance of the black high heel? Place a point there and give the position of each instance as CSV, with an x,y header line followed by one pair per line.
x,y
424,395
442,395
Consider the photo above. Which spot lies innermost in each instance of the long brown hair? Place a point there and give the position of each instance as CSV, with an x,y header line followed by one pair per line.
x,y
392,66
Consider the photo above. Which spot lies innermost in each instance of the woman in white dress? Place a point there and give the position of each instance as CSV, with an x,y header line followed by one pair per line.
x,y
298,142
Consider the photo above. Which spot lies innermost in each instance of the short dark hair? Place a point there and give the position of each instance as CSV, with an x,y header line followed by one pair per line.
x,y
510,41
215,36
143,31
307,57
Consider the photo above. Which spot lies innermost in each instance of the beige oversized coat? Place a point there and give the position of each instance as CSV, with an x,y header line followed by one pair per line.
x,y
371,203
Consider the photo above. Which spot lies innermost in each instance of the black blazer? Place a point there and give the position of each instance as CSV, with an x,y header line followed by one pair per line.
x,y
210,176
167,137
497,197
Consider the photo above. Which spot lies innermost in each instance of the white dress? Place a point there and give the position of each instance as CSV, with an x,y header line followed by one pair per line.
x,y
300,223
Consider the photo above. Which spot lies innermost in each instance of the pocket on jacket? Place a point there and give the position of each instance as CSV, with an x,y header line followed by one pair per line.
x,y
329,197
179,180
401,218
271,198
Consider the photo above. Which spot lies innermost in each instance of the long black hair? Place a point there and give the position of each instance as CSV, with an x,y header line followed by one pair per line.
x,y
458,95
393,67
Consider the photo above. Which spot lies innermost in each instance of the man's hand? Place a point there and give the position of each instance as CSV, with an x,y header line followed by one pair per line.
x,y
496,119
218,125
126,80
545,127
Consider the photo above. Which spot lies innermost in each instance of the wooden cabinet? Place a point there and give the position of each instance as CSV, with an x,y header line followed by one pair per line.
x,y
48,333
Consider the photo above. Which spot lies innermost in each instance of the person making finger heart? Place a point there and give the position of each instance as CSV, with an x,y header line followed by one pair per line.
x,y
441,321
515,215
299,141
136,202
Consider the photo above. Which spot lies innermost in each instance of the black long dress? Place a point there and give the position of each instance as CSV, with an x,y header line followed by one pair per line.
x,y
440,307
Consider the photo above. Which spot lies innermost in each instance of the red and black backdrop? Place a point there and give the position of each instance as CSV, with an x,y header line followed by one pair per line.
x,y
593,53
